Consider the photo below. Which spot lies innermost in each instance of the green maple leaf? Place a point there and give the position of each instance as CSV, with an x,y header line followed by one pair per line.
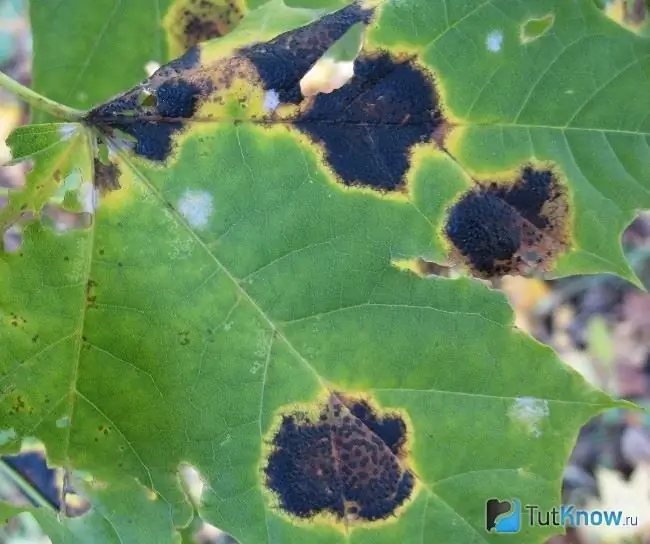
x,y
240,289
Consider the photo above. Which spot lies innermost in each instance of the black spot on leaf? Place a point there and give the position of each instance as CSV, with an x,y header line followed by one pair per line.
x,y
501,229
176,99
150,127
188,61
348,463
369,126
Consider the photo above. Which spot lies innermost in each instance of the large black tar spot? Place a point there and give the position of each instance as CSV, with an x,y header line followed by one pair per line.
x,y
347,463
282,62
496,228
150,126
369,126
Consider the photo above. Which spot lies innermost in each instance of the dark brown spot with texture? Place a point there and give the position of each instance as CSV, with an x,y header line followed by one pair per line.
x,y
16,321
91,296
350,463
106,176
512,228
195,21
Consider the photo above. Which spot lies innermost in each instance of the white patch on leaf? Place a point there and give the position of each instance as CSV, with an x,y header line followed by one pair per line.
x,y
529,412
494,41
271,101
63,422
196,207
7,435
68,130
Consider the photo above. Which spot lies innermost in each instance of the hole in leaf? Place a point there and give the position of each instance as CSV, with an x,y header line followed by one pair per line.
x,y
513,228
54,485
146,99
347,461
12,238
535,28
425,268
336,67
62,220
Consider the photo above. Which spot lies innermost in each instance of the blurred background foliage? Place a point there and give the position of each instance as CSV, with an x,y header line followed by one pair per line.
x,y
600,325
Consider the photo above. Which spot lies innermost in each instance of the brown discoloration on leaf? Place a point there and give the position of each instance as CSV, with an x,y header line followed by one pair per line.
x,y
500,229
106,176
348,463
190,22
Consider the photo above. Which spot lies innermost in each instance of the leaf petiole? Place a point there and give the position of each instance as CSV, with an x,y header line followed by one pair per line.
x,y
39,101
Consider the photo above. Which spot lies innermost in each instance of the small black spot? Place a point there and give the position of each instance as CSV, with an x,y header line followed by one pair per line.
x,y
282,62
502,229
327,467
369,126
